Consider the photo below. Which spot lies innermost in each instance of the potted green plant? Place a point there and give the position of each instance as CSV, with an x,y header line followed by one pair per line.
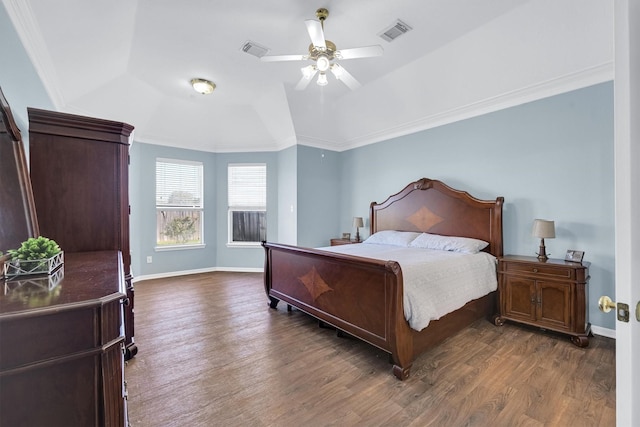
x,y
36,255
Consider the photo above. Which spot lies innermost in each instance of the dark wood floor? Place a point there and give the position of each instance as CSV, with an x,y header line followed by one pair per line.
x,y
213,354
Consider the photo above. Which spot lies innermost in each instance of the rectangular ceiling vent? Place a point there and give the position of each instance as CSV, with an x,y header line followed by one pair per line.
x,y
253,48
394,31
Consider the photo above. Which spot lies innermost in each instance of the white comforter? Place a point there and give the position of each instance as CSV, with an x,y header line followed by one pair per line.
x,y
435,282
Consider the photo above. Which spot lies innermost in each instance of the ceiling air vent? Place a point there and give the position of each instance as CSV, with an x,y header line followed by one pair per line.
x,y
253,48
394,31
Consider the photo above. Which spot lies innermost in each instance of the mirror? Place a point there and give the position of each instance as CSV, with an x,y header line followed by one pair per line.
x,y
18,219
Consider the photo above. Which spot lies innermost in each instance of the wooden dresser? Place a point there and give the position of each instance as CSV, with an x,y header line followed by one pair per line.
x,y
80,182
61,345
550,294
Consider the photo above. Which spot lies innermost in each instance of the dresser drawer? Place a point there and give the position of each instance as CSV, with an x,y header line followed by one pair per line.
x,y
539,270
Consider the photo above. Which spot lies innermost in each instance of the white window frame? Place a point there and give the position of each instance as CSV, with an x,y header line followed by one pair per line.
x,y
195,207
243,207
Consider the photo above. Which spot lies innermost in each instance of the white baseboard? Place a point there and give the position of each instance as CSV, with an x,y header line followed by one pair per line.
x,y
604,332
197,271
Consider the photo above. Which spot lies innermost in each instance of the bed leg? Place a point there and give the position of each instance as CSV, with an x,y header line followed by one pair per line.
x,y
324,325
273,303
401,373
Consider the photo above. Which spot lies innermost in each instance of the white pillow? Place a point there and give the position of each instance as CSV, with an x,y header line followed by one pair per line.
x,y
392,237
449,243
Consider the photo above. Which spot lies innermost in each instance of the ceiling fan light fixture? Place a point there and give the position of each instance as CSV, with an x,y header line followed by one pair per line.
x,y
322,79
323,63
205,87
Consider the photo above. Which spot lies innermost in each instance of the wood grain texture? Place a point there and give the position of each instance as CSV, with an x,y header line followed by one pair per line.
x,y
61,361
80,181
213,353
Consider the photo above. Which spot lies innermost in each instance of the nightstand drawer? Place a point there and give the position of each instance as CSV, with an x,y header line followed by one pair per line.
x,y
336,242
540,270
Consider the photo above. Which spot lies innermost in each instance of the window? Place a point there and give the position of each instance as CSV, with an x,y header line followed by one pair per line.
x,y
247,203
179,203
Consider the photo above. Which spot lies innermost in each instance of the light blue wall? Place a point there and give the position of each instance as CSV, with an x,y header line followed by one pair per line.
x,y
288,196
142,191
18,78
319,186
215,254
550,159
234,257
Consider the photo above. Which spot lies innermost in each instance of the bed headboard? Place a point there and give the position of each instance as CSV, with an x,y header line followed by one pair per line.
x,y
429,205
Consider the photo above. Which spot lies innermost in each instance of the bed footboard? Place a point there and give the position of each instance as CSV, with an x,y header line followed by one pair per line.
x,y
360,296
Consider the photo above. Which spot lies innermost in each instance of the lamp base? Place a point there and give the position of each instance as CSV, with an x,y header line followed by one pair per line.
x,y
357,235
542,254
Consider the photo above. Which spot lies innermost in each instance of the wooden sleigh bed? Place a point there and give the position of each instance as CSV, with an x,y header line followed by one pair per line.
x,y
364,297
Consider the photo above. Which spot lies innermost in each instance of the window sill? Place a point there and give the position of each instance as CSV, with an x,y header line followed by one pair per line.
x,y
179,247
245,245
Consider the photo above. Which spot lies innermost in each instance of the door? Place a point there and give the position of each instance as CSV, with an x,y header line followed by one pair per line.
x,y
627,208
520,298
554,305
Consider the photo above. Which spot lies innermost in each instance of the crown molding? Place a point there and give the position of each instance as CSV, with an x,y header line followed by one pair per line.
x,y
584,78
28,31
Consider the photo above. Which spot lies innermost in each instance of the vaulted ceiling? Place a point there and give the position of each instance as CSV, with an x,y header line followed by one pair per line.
x,y
132,60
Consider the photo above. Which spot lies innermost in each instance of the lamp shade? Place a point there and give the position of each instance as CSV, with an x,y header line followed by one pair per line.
x,y
543,229
358,222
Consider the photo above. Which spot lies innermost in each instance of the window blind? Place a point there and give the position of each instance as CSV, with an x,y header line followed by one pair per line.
x,y
247,185
178,183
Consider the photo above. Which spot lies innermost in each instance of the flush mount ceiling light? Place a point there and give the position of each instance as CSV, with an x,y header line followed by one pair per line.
x,y
203,86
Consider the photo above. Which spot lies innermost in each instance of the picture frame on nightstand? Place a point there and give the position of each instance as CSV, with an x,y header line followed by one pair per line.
x,y
346,236
574,256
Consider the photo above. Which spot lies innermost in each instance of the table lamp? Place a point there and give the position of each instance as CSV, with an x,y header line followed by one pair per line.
x,y
543,229
357,223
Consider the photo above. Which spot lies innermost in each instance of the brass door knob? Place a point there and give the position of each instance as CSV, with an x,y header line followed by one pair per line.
x,y
605,304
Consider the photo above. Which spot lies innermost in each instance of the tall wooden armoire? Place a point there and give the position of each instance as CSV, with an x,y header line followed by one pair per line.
x,y
80,180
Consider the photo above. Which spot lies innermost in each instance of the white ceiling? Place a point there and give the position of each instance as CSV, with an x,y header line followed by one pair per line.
x,y
131,61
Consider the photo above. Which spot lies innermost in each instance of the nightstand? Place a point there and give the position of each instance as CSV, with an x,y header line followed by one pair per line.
x,y
549,294
336,242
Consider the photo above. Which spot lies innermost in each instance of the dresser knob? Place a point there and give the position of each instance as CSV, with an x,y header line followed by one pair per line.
x,y
535,270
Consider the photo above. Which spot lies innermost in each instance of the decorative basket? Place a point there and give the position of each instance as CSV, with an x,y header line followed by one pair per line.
x,y
20,267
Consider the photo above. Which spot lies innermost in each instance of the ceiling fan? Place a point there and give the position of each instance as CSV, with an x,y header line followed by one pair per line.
x,y
324,55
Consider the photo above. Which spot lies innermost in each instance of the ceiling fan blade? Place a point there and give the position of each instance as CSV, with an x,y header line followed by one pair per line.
x,y
345,77
316,33
275,58
306,79
359,52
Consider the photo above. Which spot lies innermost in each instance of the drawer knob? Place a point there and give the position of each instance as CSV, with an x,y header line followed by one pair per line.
x,y
535,270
